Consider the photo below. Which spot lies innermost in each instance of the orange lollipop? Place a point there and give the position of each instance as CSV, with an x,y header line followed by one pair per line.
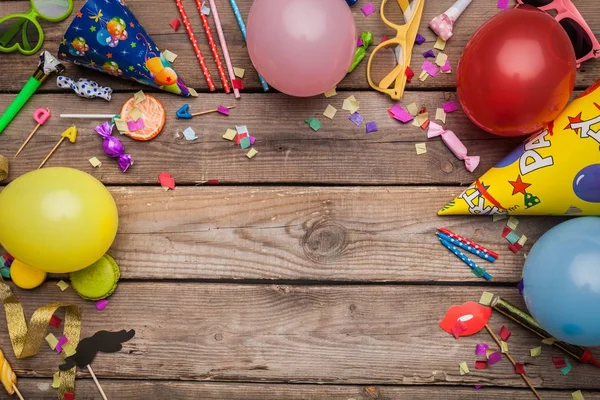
x,y
153,114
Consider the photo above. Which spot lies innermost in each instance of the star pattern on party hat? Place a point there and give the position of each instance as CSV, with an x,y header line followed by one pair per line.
x,y
519,186
574,120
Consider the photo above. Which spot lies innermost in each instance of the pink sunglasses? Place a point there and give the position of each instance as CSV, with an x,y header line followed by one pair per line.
x,y
584,42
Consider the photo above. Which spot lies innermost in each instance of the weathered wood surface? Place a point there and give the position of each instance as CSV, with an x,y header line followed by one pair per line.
x,y
155,17
39,389
351,334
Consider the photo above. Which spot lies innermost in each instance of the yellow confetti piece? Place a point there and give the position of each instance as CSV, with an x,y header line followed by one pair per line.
x,y
139,97
351,104
440,115
440,44
122,126
135,113
503,346
464,368
486,299
522,240
441,58
169,55
536,351
62,285
193,92
512,223
421,118
330,111
423,76
95,162
412,109
421,148
239,72
56,380
69,349
331,92
498,217
229,134
488,353
549,341
577,395
52,341
251,153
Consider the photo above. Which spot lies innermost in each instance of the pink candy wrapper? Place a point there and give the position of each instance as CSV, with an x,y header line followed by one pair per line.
x,y
443,24
454,144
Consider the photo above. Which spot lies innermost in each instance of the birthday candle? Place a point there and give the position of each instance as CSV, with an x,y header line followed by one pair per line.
x,y
466,259
469,242
466,247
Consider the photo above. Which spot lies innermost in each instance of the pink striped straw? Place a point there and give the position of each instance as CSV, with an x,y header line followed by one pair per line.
x,y
215,13
199,56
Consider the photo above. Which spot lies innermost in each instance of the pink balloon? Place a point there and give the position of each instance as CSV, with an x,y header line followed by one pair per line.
x,y
301,47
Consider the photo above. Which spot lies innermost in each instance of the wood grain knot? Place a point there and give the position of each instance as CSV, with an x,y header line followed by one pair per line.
x,y
325,241
446,166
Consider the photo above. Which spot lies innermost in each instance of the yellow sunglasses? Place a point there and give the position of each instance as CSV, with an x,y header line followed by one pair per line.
x,y
405,38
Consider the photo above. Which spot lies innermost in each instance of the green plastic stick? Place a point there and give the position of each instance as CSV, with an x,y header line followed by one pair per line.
x,y
13,109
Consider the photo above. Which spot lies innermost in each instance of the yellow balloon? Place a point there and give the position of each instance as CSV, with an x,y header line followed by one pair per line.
x,y
26,277
58,220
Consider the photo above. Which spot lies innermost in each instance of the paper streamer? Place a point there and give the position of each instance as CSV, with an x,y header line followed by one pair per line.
x,y
3,168
84,87
27,340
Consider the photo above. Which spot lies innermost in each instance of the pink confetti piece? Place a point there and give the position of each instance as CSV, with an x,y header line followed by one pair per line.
x,y
502,4
430,68
477,387
101,304
446,67
449,106
481,348
359,42
61,342
384,38
135,125
495,357
223,110
252,140
400,114
368,9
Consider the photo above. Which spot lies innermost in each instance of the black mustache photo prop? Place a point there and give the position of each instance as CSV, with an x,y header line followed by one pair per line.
x,y
104,341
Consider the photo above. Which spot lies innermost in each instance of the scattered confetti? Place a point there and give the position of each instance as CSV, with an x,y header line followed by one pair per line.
x,y
446,68
412,109
519,368
371,127
69,396
135,113
512,223
449,106
559,362
429,54
359,42
61,342
504,333
330,111
422,118
506,231
430,68
479,364
522,240
252,140
463,368
356,118
121,126
567,368
440,44
503,347
409,74
245,143
189,134
489,352
351,104
515,247
138,97
495,357
55,321
52,341
536,351
368,9
175,24
56,380
421,148
502,4
251,153
498,217
166,180
512,237
440,59
577,395
481,348
420,39
384,38
223,110
229,134
238,84
101,304
549,341
458,328
314,124
95,162
423,76
62,285
69,349
477,387
331,92
400,114
137,125
239,137
242,130
239,72
440,115
169,55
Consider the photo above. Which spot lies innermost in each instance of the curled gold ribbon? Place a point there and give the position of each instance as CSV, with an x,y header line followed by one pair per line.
x,y
3,168
27,340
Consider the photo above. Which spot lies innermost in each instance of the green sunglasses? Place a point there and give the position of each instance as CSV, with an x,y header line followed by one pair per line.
x,y
49,10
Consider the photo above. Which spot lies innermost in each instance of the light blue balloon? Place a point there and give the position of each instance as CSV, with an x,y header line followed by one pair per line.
x,y
104,37
561,281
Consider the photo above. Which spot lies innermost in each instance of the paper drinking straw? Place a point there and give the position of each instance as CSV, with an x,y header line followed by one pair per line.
x,y
215,13
213,47
242,25
199,56
466,247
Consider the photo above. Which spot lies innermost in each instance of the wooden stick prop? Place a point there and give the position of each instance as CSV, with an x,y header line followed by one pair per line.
x,y
70,134
41,115
184,111
8,377
527,381
96,382
215,13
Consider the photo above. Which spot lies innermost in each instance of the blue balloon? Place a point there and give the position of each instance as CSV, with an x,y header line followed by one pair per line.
x,y
561,281
511,157
104,37
586,184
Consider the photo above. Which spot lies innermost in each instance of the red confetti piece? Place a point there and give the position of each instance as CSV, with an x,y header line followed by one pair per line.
x,y
175,24
69,396
515,247
559,362
481,364
504,333
506,231
425,125
409,74
239,137
212,182
423,110
238,84
384,38
458,328
55,321
519,368
166,180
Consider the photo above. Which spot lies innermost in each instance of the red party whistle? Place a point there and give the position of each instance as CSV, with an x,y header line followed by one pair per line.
x,y
40,115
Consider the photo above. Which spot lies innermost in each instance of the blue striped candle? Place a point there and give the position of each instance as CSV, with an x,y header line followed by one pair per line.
x,y
466,259
466,247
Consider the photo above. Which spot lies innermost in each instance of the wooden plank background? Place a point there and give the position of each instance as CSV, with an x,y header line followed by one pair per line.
x,y
312,271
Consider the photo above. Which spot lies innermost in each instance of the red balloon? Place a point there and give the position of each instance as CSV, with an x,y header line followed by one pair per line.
x,y
516,73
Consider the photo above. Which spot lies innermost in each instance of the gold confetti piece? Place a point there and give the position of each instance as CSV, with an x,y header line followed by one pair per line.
x,y
193,92
331,92
69,349
139,97
229,134
488,353
503,346
95,162
421,148
412,109
421,118
522,240
56,380
440,44
122,126
486,299
52,341
251,153
135,113
330,111
549,341
239,72
498,217
440,115
536,351
351,104
577,395
441,58
464,368
423,76
512,223
62,285
169,55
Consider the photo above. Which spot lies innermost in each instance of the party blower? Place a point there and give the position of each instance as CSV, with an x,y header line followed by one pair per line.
x,y
48,64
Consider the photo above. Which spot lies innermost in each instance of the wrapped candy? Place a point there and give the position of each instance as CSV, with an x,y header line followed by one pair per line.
x,y
443,24
454,144
84,87
113,146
